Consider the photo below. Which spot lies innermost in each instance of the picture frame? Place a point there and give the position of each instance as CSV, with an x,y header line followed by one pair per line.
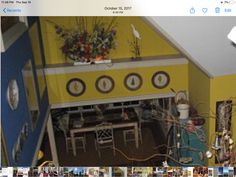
x,y
104,84
223,122
160,79
133,81
31,92
223,112
75,87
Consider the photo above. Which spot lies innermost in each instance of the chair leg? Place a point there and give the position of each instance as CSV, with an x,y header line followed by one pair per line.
x,y
67,146
140,136
84,142
99,153
85,139
95,143
114,151
124,137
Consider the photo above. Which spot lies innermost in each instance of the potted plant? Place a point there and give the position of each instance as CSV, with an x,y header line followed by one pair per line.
x,y
82,45
183,108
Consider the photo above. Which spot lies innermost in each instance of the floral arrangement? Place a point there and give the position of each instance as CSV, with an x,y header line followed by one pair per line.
x,y
80,45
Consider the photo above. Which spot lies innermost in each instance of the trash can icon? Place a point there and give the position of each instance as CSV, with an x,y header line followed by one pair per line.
x,y
217,10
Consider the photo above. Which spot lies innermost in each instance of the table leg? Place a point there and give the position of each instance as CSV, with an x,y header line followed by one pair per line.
x,y
73,143
136,135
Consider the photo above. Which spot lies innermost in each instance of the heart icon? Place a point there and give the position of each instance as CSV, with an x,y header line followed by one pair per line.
x,y
204,10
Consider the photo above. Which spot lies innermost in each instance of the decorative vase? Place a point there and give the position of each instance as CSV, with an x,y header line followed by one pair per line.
x,y
183,109
76,63
198,121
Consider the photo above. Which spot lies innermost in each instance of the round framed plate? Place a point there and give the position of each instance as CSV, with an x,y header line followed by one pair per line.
x,y
13,94
160,79
133,81
104,84
75,87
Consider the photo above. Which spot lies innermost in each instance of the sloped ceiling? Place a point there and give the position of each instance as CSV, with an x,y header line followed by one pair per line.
x,y
203,40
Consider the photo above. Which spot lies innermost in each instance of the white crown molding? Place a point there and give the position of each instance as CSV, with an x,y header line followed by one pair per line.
x,y
112,100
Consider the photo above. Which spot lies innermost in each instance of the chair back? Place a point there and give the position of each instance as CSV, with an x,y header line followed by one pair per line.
x,y
104,133
64,123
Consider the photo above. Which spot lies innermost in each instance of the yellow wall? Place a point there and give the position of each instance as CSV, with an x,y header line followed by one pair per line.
x,y
222,88
58,93
199,92
204,92
152,44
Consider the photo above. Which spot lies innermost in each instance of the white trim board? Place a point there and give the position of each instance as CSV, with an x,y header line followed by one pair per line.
x,y
112,100
114,66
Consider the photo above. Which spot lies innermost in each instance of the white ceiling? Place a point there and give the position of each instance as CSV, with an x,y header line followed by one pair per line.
x,y
203,40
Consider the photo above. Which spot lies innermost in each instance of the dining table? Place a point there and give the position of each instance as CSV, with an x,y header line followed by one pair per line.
x,y
89,123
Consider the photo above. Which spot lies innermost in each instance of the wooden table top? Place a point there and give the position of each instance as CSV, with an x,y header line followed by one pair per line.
x,y
93,120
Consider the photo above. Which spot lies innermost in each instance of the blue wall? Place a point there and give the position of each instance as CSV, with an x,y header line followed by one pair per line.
x,y
12,62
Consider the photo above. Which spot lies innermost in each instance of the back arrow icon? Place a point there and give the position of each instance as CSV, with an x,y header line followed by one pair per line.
x,y
4,10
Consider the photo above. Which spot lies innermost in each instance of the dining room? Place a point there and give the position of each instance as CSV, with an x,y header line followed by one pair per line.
x,y
129,133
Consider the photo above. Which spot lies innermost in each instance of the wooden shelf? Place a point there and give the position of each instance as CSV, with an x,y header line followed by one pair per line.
x,y
115,64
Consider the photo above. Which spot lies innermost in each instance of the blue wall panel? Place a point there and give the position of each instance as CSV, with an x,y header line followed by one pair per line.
x,y
12,62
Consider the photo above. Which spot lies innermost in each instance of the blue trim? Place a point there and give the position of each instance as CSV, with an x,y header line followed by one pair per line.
x,y
32,20
41,43
12,62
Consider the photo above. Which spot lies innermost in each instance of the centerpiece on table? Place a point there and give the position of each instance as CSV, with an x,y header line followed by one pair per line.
x,y
84,46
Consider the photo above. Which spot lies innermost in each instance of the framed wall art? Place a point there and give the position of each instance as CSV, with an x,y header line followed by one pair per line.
x,y
160,79
133,81
223,115
105,84
13,94
75,87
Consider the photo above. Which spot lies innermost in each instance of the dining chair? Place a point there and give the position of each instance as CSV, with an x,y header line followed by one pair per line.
x,y
104,137
80,140
129,134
